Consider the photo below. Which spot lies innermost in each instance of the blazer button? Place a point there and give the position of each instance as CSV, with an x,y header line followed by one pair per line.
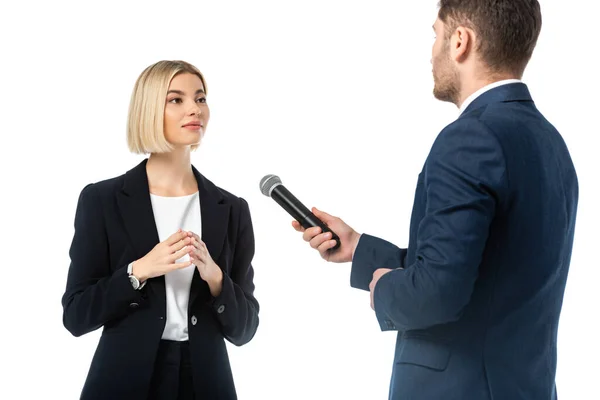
x,y
134,305
221,309
194,320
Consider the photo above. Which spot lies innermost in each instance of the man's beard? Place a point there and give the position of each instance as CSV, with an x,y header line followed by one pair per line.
x,y
446,80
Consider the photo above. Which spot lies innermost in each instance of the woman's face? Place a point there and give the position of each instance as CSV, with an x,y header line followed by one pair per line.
x,y
186,111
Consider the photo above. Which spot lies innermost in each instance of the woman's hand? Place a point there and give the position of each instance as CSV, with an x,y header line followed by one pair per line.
x,y
209,271
162,258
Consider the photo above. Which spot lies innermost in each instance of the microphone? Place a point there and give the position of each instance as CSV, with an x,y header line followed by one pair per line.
x,y
271,186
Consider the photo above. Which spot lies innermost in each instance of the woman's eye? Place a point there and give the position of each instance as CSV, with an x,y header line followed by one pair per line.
x,y
175,100
201,100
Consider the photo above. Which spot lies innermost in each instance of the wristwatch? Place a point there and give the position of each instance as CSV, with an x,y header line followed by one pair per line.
x,y
135,282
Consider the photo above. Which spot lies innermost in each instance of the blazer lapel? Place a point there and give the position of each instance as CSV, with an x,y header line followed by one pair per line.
x,y
214,215
136,210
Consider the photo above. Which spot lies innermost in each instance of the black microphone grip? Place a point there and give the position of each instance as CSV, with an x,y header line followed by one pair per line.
x,y
300,213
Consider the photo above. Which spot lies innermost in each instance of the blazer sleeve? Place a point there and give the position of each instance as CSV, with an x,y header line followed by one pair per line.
x,y
372,253
94,295
236,307
465,181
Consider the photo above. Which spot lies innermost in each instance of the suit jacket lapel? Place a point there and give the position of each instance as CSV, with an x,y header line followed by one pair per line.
x,y
136,210
138,218
215,217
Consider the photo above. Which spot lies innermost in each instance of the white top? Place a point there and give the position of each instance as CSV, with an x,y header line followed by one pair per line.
x,y
484,89
170,214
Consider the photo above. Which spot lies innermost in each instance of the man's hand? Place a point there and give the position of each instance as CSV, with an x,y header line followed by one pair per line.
x,y
323,242
376,275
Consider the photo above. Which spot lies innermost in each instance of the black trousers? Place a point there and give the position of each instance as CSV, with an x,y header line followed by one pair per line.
x,y
172,377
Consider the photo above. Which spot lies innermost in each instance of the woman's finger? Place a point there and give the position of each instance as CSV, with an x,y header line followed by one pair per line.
x,y
181,253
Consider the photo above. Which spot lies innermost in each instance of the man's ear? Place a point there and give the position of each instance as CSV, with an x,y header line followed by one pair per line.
x,y
461,44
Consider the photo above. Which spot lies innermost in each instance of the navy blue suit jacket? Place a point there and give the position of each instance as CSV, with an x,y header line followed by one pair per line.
x,y
476,297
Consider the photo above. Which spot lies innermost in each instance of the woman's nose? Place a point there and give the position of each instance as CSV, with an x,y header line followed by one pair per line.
x,y
195,111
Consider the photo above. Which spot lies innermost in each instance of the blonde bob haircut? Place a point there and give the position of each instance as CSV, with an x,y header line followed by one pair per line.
x,y
145,122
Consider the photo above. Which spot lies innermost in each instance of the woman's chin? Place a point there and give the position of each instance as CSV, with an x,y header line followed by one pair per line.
x,y
190,140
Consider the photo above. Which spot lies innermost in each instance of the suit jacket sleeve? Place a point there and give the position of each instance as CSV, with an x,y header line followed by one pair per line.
x,y
236,307
465,181
94,295
372,253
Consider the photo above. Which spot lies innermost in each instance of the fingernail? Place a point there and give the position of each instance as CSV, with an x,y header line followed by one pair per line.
x,y
327,235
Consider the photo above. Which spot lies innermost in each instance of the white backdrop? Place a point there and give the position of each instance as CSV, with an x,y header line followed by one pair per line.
x,y
334,97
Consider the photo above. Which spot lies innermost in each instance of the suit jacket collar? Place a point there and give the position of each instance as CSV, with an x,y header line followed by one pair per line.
x,y
136,183
136,210
504,93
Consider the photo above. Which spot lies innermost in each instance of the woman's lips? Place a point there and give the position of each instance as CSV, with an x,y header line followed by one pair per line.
x,y
194,126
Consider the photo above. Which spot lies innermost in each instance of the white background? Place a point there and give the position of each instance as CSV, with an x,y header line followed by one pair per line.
x,y
334,97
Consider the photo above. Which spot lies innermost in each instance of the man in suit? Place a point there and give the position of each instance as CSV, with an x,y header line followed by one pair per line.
x,y
476,297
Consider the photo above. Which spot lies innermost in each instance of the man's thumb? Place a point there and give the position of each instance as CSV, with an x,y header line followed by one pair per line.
x,y
322,215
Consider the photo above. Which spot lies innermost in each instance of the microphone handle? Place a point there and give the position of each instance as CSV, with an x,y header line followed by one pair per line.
x,y
311,220
300,213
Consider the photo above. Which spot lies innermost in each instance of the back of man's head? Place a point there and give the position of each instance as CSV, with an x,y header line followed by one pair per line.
x,y
507,30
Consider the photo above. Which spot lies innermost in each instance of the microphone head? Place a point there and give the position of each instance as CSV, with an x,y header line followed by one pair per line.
x,y
268,183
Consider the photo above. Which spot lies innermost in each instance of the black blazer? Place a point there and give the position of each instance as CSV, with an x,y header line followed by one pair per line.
x,y
114,225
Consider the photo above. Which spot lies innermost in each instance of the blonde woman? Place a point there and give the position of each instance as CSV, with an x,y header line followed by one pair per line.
x,y
161,257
